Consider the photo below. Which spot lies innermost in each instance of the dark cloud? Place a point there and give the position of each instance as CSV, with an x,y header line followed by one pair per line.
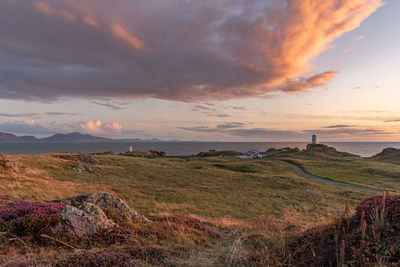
x,y
218,115
18,115
230,125
107,105
210,110
392,120
239,108
350,132
62,113
201,129
176,49
238,129
200,107
210,104
338,126
38,115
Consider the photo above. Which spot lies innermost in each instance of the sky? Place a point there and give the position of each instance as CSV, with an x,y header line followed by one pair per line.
x,y
226,70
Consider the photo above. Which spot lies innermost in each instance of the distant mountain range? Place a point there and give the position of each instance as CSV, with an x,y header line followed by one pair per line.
x,y
65,138
7,137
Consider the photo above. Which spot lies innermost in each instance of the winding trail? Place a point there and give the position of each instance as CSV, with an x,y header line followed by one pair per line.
x,y
327,181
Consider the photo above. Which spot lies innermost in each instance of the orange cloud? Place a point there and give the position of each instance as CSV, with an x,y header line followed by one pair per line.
x,y
210,52
123,34
94,127
311,26
90,21
302,84
67,15
113,127
43,7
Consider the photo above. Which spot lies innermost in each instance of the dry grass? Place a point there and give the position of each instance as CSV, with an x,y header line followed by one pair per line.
x,y
368,172
256,206
197,186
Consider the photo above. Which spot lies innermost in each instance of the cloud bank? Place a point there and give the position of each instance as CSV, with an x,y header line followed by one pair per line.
x,y
34,127
333,132
177,49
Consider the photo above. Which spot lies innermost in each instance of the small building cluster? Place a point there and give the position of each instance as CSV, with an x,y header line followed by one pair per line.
x,y
253,155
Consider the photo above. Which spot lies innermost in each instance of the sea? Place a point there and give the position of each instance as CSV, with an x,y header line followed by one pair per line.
x,y
364,149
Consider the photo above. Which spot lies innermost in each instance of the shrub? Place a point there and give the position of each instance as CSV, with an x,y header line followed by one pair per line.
x,y
26,218
107,258
369,238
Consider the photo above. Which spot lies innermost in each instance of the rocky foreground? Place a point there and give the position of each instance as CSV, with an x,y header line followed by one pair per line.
x,y
99,229
96,229
83,215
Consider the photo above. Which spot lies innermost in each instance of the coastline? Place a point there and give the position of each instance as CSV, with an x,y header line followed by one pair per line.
x,y
364,149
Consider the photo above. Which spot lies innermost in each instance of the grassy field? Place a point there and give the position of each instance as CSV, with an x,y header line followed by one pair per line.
x,y
261,201
210,187
343,167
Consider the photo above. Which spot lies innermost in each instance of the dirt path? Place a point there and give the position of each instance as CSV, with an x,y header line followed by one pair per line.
x,y
327,181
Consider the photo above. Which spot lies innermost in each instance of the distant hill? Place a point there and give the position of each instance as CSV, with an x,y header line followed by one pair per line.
x,y
7,137
67,138
389,155
73,138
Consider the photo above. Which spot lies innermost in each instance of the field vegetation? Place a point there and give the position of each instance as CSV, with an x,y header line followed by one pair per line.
x,y
205,211
373,172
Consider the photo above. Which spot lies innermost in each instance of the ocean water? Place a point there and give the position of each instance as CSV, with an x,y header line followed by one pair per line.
x,y
364,149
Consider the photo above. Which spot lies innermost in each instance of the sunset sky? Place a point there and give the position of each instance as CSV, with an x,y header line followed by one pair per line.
x,y
223,70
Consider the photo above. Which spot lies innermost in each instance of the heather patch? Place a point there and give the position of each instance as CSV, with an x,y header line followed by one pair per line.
x,y
371,237
25,218
106,258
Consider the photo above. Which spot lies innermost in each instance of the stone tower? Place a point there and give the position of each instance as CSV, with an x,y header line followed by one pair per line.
x,y
314,140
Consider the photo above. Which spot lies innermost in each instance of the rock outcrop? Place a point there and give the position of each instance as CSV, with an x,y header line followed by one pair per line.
x,y
388,153
82,215
7,166
88,214
147,154
83,163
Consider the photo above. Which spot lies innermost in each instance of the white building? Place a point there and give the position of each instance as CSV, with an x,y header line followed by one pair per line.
x,y
254,155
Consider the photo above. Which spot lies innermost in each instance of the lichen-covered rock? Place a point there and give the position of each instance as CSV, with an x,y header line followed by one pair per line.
x,y
88,214
80,215
7,166
78,157
83,163
85,221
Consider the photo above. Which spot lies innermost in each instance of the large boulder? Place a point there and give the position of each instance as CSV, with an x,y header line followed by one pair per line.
x,y
80,215
87,220
88,214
